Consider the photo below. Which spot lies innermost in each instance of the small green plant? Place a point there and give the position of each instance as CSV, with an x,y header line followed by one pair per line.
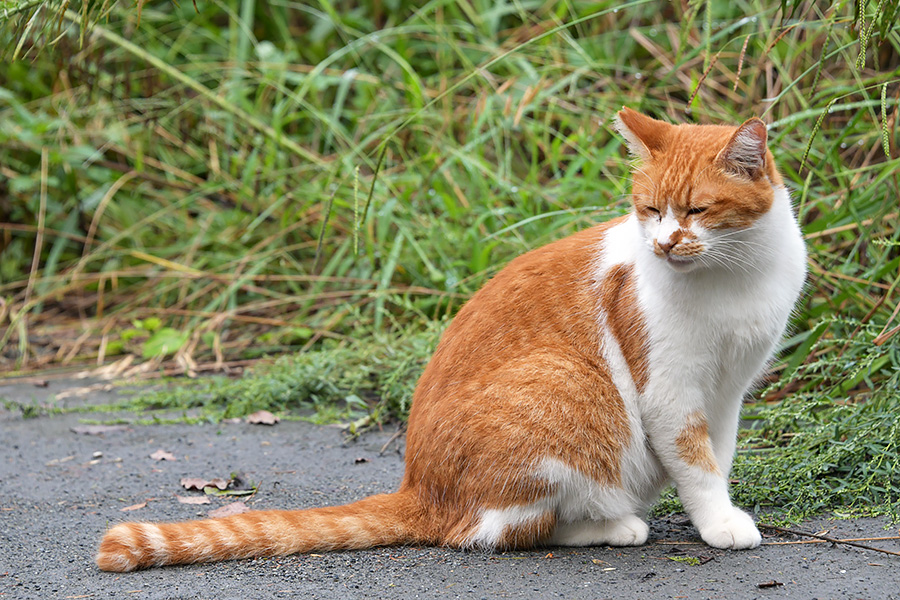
x,y
686,560
812,453
342,383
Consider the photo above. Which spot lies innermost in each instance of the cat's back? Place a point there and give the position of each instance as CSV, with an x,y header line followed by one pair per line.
x,y
545,300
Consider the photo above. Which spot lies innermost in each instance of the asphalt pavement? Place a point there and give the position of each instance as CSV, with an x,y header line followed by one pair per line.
x,y
63,483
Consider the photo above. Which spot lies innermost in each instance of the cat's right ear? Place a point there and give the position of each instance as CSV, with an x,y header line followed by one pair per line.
x,y
645,136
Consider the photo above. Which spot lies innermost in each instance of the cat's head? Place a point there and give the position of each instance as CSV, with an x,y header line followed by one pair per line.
x,y
697,186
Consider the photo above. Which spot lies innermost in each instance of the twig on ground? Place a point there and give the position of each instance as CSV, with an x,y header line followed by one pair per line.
x,y
400,431
798,542
825,538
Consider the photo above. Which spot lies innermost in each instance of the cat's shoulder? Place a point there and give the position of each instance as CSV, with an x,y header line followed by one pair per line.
x,y
577,249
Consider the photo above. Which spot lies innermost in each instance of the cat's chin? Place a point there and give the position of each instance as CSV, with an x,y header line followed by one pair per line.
x,y
681,264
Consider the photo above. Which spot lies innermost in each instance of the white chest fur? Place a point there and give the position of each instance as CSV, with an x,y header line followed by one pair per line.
x,y
721,324
710,331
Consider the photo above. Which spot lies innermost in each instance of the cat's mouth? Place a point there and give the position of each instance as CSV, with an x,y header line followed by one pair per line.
x,y
680,263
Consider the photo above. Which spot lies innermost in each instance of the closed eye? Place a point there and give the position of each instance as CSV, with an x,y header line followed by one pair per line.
x,y
697,210
652,210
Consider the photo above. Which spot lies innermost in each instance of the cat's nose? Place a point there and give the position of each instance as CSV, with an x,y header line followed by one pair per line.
x,y
666,245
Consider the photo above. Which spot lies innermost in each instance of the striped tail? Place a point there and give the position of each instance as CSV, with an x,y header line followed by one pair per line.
x,y
382,520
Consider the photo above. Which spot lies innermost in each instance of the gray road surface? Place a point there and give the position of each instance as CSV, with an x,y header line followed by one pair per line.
x,y
59,491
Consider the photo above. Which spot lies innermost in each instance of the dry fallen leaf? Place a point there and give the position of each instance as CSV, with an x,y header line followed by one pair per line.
x,y
134,507
235,508
193,499
198,483
162,455
262,417
99,429
193,483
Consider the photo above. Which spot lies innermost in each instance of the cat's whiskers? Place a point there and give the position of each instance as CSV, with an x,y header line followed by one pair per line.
x,y
732,258
743,246
731,236
708,260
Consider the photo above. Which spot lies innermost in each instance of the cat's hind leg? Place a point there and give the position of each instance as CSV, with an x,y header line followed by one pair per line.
x,y
627,531
512,528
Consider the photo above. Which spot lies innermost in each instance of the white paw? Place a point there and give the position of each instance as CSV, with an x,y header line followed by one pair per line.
x,y
734,530
628,531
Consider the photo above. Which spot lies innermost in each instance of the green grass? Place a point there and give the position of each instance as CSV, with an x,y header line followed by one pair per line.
x,y
206,186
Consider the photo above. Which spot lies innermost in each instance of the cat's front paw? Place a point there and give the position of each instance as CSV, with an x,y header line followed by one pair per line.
x,y
735,530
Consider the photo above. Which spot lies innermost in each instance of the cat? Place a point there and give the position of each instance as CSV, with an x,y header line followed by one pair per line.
x,y
579,381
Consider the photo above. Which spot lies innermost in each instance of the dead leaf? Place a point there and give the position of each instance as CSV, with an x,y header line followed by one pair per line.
x,y
134,507
193,483
162,455
238,485
262,417
235,508
99,429
193,499
197,483
768,584
218,482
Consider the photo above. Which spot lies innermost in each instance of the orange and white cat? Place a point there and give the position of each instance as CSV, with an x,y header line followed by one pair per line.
x,y
579,381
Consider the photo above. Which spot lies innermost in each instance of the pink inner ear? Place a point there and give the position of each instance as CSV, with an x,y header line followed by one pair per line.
x,y
745,153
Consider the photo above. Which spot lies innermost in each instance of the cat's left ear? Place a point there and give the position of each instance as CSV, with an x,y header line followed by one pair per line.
x,y
745,152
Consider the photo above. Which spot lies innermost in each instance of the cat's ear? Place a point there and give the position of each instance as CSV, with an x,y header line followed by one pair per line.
x,y
645,136
745,152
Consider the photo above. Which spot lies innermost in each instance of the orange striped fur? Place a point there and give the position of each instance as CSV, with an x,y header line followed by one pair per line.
x,y
572,386
382,520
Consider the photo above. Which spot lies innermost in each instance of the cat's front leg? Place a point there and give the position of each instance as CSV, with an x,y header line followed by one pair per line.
x,y
721,524
681,440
